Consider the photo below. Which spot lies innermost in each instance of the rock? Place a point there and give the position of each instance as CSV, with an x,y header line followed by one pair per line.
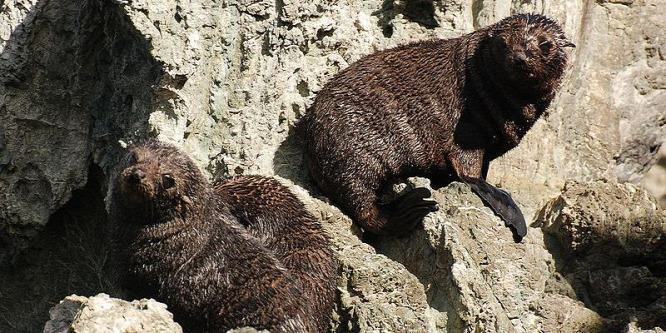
x,y
609,242
101,313
633,328
606,218
246,330
376,293
655,178
474,272
73,76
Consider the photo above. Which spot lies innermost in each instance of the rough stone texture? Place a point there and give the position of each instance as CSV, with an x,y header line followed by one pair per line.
x,y
633,328
74,77
655,178
609,242
474,272
376,293
227,80
608,218
97,314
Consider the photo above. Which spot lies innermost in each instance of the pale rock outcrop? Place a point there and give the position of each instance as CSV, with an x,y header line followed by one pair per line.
x,y
101,313
609,241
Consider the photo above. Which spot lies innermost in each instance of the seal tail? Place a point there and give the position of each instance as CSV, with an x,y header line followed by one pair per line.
x,y
501,203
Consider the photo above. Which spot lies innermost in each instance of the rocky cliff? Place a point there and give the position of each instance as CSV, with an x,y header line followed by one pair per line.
x,y
227,80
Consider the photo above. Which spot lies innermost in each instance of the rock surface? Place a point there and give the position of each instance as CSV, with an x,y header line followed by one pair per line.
x,y
633,328
78,314
227,80
377,294
609,241
474,272
655,178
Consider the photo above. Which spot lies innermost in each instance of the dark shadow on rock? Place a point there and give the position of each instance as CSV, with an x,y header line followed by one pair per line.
x,y
288,162
77,77
418,11
430,269
68,257
421,12
612,279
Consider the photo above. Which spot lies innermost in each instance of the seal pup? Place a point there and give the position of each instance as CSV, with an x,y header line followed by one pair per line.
x,y
442,109
174,239
273,214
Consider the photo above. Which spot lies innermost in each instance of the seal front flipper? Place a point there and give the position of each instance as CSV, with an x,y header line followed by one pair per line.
x,y
501,203
405,212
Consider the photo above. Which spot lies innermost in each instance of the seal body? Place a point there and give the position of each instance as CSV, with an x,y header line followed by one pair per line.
x,y
273,214
175,240
442,109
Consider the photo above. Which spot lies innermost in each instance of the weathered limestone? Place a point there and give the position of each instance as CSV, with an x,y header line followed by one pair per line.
x,y
78,314
609,242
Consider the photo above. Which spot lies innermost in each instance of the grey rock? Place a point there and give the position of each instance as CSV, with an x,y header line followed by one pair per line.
x,y
608,241
475,273
655,179
633,328
377,294
101,313
605,217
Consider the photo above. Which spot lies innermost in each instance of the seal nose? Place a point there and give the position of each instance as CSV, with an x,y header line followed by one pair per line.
x,y
521,57
137,176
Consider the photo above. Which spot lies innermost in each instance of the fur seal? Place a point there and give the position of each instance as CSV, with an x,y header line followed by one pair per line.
x,y
442,109
176,240
273,214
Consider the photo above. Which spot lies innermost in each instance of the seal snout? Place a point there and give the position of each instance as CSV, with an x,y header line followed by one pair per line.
x,y
136,176
521,57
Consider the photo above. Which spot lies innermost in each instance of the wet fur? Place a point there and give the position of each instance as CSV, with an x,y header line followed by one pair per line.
x,y
275,216
179,243
442,109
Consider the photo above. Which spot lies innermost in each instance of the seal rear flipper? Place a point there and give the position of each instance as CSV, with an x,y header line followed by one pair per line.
x,y
502,204
405,212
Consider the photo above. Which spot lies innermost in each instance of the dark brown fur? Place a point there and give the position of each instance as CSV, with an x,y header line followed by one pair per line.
x,y
275,216
176,240
441,109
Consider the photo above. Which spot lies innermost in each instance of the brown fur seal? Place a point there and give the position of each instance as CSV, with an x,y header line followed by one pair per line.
x,y
275,216
442,109
176,240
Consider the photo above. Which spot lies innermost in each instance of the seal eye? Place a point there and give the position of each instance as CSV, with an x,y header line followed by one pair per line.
x,y
133,159
168,182
545,46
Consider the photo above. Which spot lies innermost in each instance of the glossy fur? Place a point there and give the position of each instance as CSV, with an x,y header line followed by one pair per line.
x,y
275,216
175,240
442,109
